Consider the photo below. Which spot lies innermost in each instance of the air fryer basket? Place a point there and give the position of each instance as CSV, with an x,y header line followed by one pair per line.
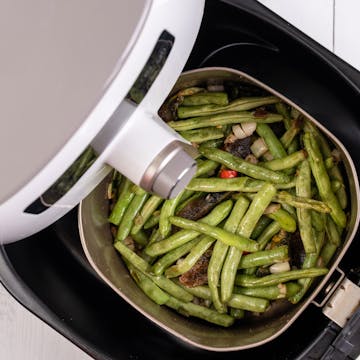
x,y
96,239
48,273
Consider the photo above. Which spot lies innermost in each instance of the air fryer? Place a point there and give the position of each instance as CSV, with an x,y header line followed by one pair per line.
x,y
50,276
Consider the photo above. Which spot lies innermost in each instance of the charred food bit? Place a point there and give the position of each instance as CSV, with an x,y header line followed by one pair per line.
x,y
238,147
198,208
197,275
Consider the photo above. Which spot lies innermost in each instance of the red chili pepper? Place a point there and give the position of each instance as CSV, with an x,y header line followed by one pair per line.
x,y
228,173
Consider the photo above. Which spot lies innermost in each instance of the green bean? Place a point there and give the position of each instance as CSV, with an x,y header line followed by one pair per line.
x,y
290,209
334,172
153,220
124,199
318,220
286,221
282,109
241,184
237,313
332,232
148,286
303,188
268,233
205,98
190,309
238,241
170,257
249,303
171,288
244,167
264,257
261,225
301,202
327,252
127,221
200,135
288,137
274,279
273,143
146,211
141,238
272,292
194,255
218,214
287,162
200,291
167,210
236,105
206,167
161,281
245,228
323,181
131,257
211,144
219,254
235,117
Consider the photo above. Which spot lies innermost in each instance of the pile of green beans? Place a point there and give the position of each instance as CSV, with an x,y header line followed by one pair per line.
x,y
296,187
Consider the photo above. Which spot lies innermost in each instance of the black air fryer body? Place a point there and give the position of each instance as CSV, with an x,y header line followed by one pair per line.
x,y
49,275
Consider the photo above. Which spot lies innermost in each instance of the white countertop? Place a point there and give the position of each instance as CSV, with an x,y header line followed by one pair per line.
x,y
333,23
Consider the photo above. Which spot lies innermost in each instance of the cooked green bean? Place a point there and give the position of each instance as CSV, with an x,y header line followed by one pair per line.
x,y
148,286
170,257
132,210
146,211
327,252
274,279
200,291
219,255
268,233
167,210
301,202
242,184
272,292
238,241
244,167
303,188
131,257
161,281
322,180
205,98
124,199
288,137
245,228
218,214
194,255
286,221
153,220
237,313
200,135
205,167
332,232
334,172
201,312
140,237
261,225
236,105
235,117
282,109
273,143
249,303
287,162
264,257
